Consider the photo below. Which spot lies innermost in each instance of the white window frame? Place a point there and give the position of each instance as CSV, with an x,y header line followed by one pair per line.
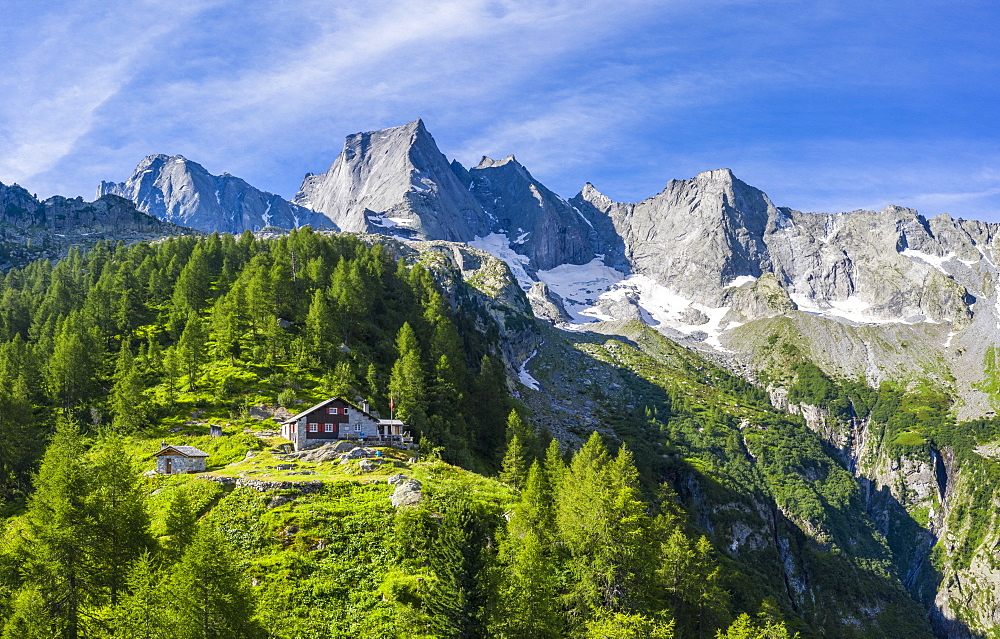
x,y
313,428
328,428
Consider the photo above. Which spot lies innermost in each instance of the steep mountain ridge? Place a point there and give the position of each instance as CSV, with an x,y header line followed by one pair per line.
x,y
178,190
540,224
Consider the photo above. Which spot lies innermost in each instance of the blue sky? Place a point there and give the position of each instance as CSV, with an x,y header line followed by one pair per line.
x,y
826,106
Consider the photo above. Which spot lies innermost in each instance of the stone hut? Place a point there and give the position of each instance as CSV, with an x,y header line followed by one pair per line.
x,y
173,460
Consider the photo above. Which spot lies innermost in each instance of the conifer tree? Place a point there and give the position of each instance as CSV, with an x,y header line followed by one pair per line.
x,y
527,603
208,596
70,369
31,617
406,382
118,520
191,348
527,591
534,511
128,401
527,435
603,523
513,470
180,523
555,467
20,441
320,328
58,563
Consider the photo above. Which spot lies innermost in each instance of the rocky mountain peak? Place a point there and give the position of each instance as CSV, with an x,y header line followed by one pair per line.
x,y
176,189
397,179
488,162
590,194
539,223
717,175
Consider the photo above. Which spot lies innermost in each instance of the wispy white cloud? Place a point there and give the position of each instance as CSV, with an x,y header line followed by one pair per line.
x,y
792,95
86,56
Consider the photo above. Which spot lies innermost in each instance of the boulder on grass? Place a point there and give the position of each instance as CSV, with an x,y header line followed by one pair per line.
x,y
407,494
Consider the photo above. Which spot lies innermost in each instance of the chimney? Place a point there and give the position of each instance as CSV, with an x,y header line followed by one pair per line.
x,y
364,406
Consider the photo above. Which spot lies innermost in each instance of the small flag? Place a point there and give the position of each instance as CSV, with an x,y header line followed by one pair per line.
x,y
392,404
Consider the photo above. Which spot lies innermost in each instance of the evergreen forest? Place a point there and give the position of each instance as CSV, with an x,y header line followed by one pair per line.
x,y
519,534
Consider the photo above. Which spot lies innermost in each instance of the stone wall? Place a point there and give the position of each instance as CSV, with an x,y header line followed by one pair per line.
x,y
180,464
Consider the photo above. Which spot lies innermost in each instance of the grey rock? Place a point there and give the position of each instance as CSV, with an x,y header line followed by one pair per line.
x,y
368,465
278,500
178,190
546,304
395,480
324,453
407,494
357,453
394,181
30,229
539,223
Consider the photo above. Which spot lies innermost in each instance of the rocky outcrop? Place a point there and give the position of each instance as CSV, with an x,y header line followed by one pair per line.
x,y
178,190
30,229
546,304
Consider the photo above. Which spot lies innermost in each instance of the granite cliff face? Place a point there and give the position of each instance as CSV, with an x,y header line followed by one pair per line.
x,y
394,181
702,235
540,224
178,190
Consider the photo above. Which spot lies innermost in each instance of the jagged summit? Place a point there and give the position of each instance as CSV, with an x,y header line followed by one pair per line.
x,y
173,188
398,179
488,162
716,175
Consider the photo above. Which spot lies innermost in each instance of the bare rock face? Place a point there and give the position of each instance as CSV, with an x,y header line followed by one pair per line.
x,y
394,179
547,304
176,189
700,236
764,297
539,223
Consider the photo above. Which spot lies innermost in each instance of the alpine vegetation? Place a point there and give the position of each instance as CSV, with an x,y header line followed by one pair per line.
x,y
425,400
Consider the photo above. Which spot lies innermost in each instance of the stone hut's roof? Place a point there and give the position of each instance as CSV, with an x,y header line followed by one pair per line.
x,y
183,451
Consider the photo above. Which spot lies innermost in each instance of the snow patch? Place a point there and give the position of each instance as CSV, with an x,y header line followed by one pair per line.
x,y
580,286
382,222
523,237
853,309
951,334
524,376
934,260
582,217
588,289
498,245
266,215
741,280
